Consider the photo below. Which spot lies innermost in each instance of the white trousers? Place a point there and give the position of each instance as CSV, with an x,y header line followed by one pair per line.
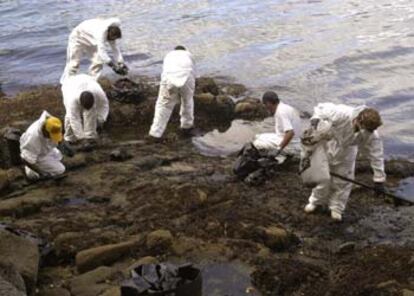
x,y
168,97
271,141
74,54
336,192
89,124
50,164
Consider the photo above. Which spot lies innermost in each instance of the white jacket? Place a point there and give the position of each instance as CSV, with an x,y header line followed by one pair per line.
x,y
342,136
34,145
71,90
178,67
91,35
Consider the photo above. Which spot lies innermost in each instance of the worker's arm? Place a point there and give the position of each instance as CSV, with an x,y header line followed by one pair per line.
x,y
102,105
286,139
75,120
116,51
375,152
101,48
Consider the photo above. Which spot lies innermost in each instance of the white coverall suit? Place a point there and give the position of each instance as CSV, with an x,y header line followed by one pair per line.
x,y
286,119
177,82
342,149
81,123
40,151
90,38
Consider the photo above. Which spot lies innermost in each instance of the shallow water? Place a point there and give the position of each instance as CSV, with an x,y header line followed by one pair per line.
x,y
405,189
309,51
231,279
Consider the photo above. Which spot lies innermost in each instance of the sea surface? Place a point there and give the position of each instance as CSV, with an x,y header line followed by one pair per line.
x,y
309,51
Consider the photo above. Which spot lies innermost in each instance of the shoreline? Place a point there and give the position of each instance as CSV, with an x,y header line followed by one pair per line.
x,y
166,202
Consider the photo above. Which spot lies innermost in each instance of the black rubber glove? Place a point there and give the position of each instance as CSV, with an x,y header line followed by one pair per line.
x,y
66,149
379,188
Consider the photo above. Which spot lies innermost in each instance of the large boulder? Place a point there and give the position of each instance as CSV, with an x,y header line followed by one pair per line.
x,y
22,254
206,85
104,255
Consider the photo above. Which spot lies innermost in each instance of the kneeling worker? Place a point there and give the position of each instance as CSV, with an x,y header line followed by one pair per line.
x,y
86,107
287,133
38,146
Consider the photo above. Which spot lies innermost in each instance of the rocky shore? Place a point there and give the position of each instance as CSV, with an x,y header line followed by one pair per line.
x,y
130,202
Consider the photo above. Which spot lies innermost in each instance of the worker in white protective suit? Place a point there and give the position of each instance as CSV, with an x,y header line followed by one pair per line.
x,y
38,148
177,83
86,107
287,133
90,39
349,129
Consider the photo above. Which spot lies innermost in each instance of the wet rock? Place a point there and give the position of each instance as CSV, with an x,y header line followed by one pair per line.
x,y
92,289
114,291
120,154
7,289
148,162
24,205
127,91
159,240
204,100
67,243
22,254
406,292
11,275
225,106
141,261
346,247
234,89
54,292
276,238
387,284
4,180
206,85
83,284
250,108
104,255
78,161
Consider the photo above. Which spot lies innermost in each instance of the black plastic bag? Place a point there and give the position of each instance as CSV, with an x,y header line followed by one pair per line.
x,y
163,279
246,161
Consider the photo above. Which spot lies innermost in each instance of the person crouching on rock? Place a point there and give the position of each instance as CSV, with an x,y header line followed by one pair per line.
x,y
177,84
38,148
90,38
347,129
286,137
86,107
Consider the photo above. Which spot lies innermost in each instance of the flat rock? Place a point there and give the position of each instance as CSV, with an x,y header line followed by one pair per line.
x,y
104,255
22,254
54,292
80,285
406,292
26,204
114,291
